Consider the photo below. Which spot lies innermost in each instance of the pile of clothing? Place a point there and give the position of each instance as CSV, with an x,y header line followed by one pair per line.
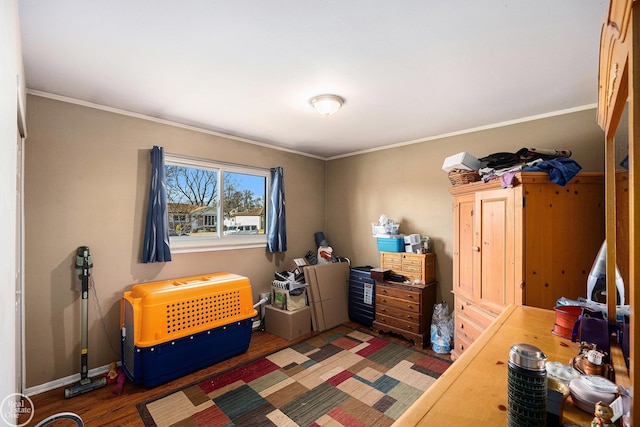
x,y
557,163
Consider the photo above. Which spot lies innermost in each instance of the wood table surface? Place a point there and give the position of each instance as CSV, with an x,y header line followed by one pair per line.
x,y
473,391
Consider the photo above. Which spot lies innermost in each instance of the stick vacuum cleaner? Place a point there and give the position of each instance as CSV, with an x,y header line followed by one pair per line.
x,y
86,384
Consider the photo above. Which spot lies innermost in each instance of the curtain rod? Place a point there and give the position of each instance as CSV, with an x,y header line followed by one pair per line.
x,y
202,159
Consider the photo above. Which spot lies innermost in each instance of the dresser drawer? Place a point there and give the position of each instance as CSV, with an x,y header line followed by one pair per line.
x,y
410,260
412,268
405,325
391,258
405,310
387,310
412,306
406,294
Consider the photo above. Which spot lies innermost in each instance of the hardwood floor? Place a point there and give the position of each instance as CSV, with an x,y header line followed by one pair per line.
x,y
103,408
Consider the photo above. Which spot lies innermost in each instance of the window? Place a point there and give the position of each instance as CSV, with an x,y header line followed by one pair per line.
x,y
210,220
201,217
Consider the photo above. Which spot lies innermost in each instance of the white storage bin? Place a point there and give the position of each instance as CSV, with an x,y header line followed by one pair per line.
x,y
411,239
462,160
415,248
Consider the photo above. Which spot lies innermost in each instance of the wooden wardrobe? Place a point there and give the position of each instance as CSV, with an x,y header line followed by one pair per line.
x,y
619,92
531,243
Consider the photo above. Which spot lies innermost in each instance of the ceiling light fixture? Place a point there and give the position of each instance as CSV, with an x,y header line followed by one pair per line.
x,y
327,104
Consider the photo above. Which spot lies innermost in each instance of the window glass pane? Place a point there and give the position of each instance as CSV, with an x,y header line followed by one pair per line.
x,y
244,203
215,206
192,200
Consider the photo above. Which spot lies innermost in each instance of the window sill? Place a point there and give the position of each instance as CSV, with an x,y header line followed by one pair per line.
x,y
187,245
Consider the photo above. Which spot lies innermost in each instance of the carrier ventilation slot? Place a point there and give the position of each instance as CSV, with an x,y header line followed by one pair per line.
x,y
197,312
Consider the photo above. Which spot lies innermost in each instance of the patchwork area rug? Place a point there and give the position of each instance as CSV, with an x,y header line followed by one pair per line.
x,y
343,377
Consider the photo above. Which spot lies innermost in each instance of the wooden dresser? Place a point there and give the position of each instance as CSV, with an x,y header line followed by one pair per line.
x,y
405,309
421,267
529,244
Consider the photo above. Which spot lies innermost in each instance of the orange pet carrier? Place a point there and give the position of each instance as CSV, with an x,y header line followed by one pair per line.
x,y
173,327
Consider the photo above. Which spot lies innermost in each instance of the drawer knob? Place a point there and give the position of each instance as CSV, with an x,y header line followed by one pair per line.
x,y
476,248
409,296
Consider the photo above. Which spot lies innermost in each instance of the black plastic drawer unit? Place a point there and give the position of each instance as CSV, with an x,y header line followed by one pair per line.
x,y
362,296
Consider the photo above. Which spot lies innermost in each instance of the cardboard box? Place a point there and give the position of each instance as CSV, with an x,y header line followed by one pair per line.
x,y
287,324
462,160
328,294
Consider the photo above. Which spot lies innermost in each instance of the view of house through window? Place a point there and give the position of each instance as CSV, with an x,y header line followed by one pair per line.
x,y
198,209
244,203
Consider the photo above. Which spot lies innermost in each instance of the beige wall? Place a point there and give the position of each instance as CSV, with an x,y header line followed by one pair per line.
x,y
86,183
408,185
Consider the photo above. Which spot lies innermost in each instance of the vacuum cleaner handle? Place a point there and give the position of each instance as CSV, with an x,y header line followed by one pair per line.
x,y
83,265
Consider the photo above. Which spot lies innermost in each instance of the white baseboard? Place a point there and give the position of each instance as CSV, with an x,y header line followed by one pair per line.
x,y
52,385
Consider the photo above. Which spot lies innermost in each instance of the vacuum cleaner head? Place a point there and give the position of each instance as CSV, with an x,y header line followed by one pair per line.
x,y
85,386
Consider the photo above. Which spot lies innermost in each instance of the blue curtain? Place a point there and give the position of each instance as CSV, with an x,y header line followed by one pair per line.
x,y
156,234
277,228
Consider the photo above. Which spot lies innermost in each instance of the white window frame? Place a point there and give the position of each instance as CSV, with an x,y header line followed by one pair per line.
x,y
187,244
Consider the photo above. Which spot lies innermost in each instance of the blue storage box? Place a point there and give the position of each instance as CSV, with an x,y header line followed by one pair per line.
x,y
152,366
391,244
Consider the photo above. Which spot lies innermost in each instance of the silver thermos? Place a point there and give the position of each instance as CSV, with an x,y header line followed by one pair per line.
x,y
527,386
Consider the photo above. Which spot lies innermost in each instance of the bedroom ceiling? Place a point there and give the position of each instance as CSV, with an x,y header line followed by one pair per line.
x,y
409,70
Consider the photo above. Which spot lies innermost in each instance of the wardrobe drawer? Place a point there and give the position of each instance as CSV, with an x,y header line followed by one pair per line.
x,y
467,309
460,343
465,327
